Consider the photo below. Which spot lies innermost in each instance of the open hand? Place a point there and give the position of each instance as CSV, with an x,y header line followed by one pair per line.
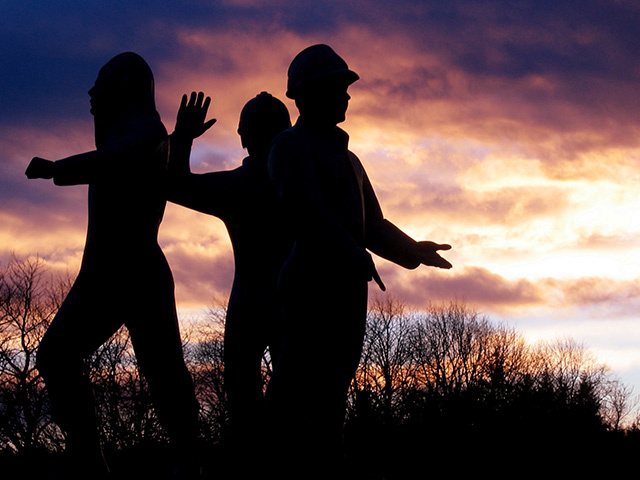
x,y
426,253
40,168
190,121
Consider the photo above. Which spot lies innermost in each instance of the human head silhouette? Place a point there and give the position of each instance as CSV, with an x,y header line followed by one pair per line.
x,y
261,119
318,79
124,86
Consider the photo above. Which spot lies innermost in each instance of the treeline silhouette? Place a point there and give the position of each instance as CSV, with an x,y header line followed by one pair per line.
x,y
444,386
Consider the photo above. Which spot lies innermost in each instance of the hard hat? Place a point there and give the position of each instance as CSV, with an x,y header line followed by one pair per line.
x,y
263,113
315,63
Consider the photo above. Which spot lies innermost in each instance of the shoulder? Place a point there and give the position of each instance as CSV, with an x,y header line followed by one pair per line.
x,y
286,137
283,145
354,157
294,141
143,127
138,132
149,126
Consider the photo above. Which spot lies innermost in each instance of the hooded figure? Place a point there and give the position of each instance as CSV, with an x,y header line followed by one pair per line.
x,y
124,277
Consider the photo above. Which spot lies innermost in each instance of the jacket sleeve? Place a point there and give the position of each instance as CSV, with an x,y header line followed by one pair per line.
x,y
381,236
212,193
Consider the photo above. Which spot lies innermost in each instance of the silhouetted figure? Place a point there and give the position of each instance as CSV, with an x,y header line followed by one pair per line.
x,y
124,277
335,217
244,199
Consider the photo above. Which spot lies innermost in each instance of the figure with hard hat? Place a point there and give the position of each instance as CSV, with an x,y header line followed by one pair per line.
x,y
335,220
246,202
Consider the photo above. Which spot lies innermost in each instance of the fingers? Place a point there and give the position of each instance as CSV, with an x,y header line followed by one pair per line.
x,y
437,261
436,246
429,257
444,264
192,99
208,124
192,114
197,100
441,262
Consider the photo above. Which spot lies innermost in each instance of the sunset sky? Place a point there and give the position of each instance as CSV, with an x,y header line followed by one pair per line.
x,y
510,130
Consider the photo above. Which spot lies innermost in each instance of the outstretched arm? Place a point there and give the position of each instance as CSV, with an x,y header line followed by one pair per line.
x,y
126,154
388,241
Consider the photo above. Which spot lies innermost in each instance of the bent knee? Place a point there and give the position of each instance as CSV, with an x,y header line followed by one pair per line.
x,y
51,360
46,360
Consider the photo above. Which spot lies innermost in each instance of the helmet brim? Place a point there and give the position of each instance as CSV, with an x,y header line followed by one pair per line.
x,y
345,75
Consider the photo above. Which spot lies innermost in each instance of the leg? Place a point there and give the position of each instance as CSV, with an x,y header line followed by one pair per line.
x,y
75,333
244,346
306,396
155,336
326,406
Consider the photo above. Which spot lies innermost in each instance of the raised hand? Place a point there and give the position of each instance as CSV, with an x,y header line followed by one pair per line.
x,y
40,168
190,121
426,253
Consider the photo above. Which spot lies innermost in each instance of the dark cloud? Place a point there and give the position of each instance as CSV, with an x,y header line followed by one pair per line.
x,y
585,51
554,78
482,288
570,38
475,285
51,52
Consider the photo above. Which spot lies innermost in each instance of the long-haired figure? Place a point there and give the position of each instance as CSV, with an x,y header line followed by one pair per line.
x,y
124,277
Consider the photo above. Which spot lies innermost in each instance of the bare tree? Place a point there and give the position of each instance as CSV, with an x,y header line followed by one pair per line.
x,y
451,347
506,361
572,372
126,413
447,369
204,354
29,298
617,405
387,370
